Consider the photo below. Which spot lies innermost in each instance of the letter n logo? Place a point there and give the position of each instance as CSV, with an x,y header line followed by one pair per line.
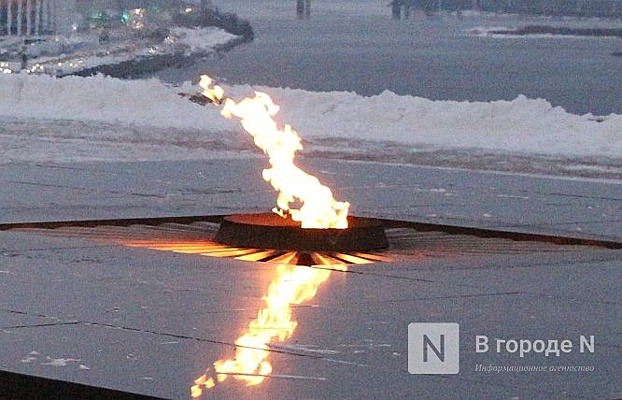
x,y
433,348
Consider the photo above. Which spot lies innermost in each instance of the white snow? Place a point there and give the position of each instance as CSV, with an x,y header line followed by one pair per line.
x,y
521,125
59,362
200,39
65,119
83,50
102,99
503,32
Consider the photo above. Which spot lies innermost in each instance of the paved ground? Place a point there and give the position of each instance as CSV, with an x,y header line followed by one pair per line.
x,y
151,322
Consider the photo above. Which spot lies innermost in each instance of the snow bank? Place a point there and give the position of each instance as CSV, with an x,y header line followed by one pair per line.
x,y
521,125
200,40
105,99
84,50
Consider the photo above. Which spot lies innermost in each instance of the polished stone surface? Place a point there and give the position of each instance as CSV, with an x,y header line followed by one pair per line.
x,y
150,322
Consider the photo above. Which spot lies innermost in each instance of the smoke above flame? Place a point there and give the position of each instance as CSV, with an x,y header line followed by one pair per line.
x,y
300,195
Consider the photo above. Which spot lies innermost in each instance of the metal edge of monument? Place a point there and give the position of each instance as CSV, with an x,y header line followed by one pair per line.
x,y
270,231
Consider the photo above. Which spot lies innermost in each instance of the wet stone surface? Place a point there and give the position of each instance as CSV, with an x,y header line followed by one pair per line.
x,y
150,322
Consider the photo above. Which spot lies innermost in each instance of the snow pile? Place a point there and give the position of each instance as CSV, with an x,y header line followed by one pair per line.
x,y
518,126
521,125
200,40
105,99
85,51
543,32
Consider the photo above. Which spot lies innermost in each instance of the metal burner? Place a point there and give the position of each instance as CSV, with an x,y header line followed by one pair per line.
x,y
270,231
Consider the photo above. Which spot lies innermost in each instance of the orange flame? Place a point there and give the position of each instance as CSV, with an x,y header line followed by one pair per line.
x,y
293,284
318,208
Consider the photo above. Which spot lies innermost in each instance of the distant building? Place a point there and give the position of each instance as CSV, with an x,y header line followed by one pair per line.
x,y
36,17
56,17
